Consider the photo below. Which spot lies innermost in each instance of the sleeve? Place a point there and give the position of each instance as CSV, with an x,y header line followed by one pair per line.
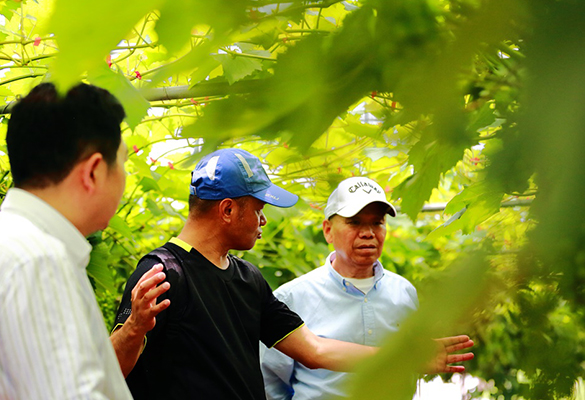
x,y
125,308
278,321
47,346
413,296
277,371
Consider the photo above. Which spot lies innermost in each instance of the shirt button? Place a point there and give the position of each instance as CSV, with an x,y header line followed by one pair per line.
x,y
365,300
369,332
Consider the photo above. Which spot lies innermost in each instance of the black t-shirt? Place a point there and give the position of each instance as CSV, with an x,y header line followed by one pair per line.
x,y
206,344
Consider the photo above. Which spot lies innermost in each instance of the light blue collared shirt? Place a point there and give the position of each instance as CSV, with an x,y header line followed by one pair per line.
x,y
333,307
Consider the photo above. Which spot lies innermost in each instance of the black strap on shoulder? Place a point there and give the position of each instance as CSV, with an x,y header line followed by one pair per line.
x,y
176,277
169,260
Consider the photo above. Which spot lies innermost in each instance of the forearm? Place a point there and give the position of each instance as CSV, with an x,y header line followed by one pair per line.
x,y
340,356
128,344
316,352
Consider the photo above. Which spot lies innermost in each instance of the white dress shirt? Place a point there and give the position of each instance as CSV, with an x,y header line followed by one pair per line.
x,y
53,339
334,307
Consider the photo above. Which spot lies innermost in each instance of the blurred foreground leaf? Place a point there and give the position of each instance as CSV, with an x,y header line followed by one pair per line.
x,y
86,31
392,373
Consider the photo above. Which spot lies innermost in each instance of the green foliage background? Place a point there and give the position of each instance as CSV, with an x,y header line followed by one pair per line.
x,y
473,103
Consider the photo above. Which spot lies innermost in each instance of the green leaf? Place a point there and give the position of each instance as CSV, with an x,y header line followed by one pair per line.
x,y
8,8
98,269
86,32
4,91
470,208
153,207
141,166
360,129
177,18
392,372
282,156
482,118
195,58
236,67
248,48
135,105
430,159
204,67
119,225
376,153
147,184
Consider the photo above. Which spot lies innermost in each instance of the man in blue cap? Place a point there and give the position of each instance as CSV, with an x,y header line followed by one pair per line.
x,y
215,308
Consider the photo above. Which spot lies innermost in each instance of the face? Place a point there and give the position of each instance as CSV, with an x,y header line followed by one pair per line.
x,y
358,240
249,222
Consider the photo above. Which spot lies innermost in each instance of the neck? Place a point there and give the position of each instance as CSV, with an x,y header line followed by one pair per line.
x,y
353,272
65,202
202,235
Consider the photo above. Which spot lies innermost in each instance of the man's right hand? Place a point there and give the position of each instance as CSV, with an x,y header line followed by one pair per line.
x,y
144,295
128,340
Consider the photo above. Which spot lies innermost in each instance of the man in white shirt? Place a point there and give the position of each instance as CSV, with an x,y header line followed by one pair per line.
x,y
67,162
350,298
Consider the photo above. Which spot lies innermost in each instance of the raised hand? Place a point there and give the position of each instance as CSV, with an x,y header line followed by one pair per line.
x,y
444,357
128,340
144,295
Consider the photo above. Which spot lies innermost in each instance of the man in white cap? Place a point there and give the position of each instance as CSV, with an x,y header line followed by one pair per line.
x,y
350,298
204,344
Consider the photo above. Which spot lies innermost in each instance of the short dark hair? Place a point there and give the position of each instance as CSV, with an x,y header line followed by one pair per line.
x,y
49,133
199,207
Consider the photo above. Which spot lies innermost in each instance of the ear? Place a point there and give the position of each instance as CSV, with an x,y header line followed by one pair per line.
x,y
90,171
227,210
327,231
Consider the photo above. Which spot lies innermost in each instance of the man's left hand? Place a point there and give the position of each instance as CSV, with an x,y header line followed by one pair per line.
x,y
445,348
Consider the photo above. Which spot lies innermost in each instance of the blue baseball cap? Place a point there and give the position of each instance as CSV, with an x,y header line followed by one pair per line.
x,y
231,173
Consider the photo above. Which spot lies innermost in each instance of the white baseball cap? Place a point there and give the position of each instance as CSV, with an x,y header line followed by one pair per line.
x,y
353,194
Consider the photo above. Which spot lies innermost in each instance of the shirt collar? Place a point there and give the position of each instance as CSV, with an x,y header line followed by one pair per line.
x,y
50,221
344,283
181,243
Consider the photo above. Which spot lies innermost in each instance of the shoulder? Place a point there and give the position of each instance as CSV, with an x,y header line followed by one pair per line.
x,y
159,255
245,267
244,272
167,254
144,265
22,243
247,272
396,283
308,283
394,277
30,256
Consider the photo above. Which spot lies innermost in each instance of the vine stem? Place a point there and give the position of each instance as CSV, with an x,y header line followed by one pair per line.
x,y
235,53
18,78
